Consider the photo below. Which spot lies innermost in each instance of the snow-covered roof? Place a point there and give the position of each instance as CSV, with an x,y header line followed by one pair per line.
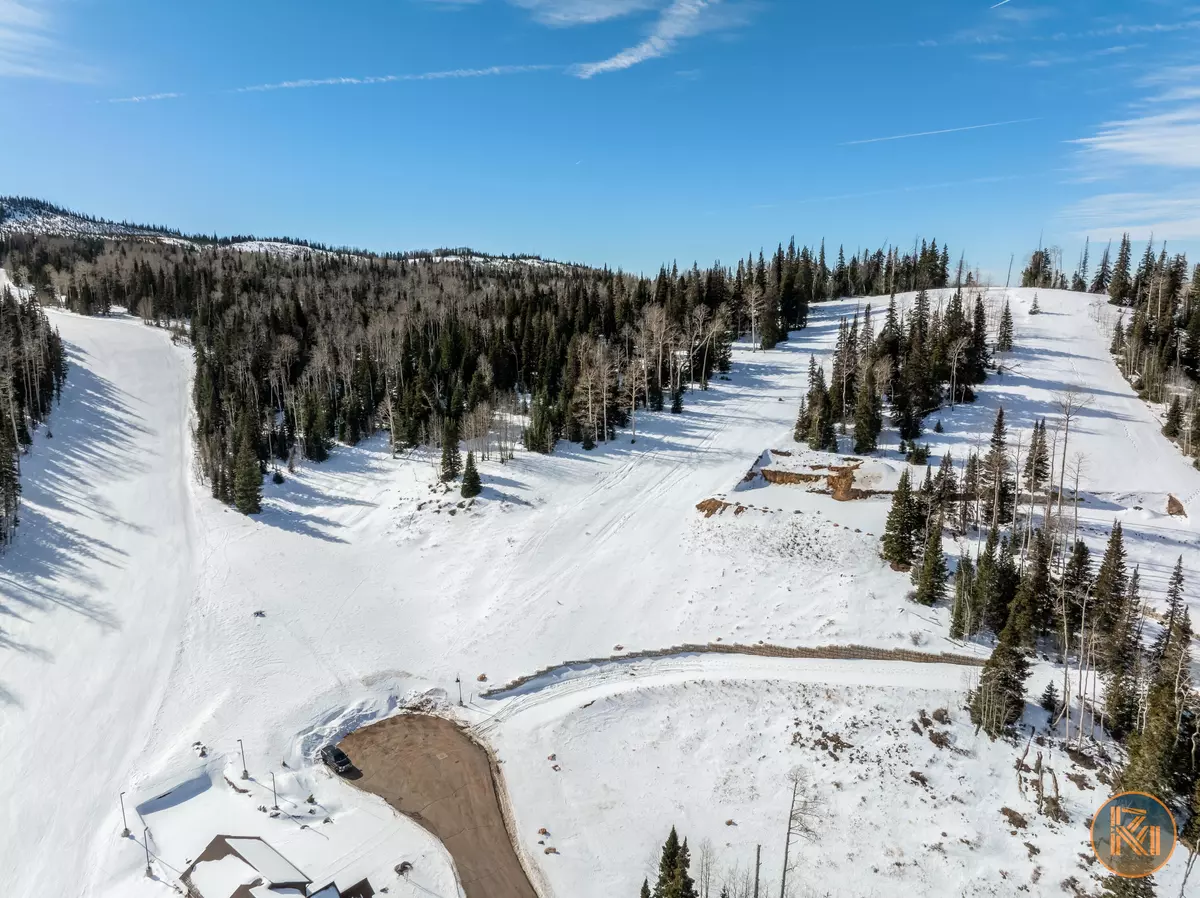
x,y
222,877
330,891
272,865
268,892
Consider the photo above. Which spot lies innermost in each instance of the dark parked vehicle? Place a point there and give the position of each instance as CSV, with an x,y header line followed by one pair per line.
x,y
336,759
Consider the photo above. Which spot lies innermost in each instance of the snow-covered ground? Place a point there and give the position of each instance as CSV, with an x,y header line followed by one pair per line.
x,y
131,597
707,745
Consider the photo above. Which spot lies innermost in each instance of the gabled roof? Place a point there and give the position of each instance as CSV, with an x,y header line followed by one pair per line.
x,y
273,866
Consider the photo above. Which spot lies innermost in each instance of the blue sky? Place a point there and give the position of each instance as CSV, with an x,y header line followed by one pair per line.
x,y
620,132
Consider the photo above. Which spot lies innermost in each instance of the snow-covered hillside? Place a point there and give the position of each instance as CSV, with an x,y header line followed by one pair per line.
x,y
131,631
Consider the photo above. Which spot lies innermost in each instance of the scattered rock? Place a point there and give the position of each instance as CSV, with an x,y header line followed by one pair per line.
x,y
1016,820
482,678
1081,781
1175,507
942,716
919,777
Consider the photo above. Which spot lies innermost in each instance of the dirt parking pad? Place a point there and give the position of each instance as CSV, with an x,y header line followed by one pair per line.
x,y
429,770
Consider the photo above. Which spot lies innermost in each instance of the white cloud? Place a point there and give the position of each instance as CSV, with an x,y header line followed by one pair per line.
x,y
682,19
1141,215
1168,135
583,12
24,38
491,71
146,98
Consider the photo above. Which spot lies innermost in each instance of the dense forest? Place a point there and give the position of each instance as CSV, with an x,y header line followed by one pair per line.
x,y
294,352
33,367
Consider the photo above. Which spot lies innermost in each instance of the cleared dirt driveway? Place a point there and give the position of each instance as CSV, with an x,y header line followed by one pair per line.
x,y
426,768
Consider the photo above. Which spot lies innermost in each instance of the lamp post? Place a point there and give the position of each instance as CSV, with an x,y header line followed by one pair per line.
x,y
245,772
146,842
458,682
274,794
124,825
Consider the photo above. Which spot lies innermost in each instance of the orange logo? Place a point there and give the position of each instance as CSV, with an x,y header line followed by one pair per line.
x,y
1133,835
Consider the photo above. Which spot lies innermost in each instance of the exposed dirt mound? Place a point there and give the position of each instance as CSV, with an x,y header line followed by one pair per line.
x,y
772,476
1175,507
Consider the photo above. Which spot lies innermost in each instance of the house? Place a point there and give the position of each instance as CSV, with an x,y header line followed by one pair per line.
x,y
248,867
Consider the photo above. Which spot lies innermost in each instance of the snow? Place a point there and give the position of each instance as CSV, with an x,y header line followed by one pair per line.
x,y
129,633
639,749
275,868
222,877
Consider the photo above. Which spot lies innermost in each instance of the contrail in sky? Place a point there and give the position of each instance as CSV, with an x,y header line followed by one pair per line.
x,y
1001,3
1017,121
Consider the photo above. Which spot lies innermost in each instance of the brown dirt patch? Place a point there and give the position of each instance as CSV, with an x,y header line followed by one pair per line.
x,y
711,507
1175,507
429,770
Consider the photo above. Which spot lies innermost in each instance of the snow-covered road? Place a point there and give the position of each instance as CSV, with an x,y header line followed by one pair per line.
x,y
92,599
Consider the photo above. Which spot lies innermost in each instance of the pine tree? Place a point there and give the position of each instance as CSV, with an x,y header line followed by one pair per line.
x,y
1036,309
997,486
1004,342
247,475
1120,287
868,415
645,893
1117,346
667,865
451,455
964,621
1121,665
1155,762
1037,462
1103,273
803,423
1174,423
999,700
471,484
901,525
930,576
1175,611
1049,699
1108,592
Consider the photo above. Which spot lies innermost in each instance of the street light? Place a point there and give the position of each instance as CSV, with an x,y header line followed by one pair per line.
x,y
274,794
124,825
245,772
458,682
146,841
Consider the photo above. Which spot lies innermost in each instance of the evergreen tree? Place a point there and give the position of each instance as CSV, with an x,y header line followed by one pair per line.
x,y
1037,462
964,619
803,423
1004,342
1175,611
667,865
1155,761
1109,590
868,415
1103,273
997,486
1049,700
645,893
1117,346
930,576
471,484
247,482
999,700
1121,666
1174,423
1120,287
451,455
901,525
1036,309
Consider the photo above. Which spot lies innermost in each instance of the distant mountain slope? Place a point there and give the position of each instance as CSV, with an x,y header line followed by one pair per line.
x,y
27,215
